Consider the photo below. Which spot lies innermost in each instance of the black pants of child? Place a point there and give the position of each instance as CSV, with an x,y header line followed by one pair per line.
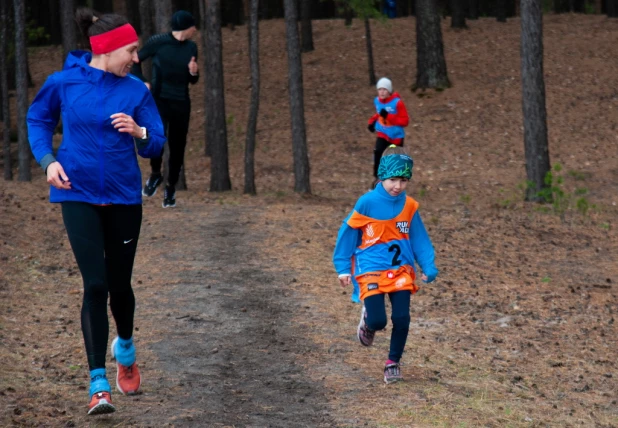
x,y
104,241
381,145
175,116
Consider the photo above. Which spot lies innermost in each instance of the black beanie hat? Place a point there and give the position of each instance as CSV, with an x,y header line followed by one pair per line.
x,y
182,20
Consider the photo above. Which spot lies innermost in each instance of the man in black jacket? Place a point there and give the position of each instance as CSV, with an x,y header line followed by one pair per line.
x,y
174,67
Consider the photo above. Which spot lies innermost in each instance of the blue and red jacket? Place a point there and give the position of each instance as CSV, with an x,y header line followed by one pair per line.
x,y
100,162
391,128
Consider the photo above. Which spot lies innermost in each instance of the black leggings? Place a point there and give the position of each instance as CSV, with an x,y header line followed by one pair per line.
x,y
175,117
104,241
381,145
376,319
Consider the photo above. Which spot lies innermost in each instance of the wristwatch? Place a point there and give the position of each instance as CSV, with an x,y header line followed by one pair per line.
x,y
144,133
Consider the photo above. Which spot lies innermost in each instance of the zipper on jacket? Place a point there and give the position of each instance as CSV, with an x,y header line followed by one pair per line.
x,y
101,141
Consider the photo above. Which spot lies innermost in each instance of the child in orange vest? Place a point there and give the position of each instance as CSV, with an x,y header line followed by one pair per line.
x,y
379,243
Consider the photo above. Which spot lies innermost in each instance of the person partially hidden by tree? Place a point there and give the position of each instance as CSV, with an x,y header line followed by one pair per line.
x,y
174,67
388,122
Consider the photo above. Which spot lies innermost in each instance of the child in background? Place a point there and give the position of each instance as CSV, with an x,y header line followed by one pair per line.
x,y
378,244
388,122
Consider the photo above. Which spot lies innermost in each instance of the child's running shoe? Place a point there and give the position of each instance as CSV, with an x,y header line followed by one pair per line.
x,y
101,403
392,372
365,334
128,378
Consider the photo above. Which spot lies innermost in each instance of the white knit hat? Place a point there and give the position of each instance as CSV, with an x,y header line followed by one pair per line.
x,y
386,84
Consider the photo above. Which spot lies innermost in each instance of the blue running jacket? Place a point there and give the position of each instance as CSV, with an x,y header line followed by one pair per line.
x,y
100,161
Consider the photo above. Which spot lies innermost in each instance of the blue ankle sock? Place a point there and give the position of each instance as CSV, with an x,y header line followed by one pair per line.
x,y
124,351
98,381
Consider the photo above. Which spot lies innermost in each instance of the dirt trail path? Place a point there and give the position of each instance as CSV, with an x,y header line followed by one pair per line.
x,y
221,348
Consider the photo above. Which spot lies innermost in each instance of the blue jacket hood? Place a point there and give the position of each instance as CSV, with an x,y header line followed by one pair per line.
x,y
77,59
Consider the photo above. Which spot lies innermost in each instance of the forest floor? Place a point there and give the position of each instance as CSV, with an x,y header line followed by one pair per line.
x,y
240,319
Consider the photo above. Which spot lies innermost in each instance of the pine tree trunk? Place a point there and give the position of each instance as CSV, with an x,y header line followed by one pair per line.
x,y
69,29
473,9
145,15
297,109
458,14
214,101
4,91
501,10
305,25
430,63
369,43
162,15
533,97
348,15
254,54
21,86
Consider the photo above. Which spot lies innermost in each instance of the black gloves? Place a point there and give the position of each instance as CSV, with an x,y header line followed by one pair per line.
x,y
383,113
372,127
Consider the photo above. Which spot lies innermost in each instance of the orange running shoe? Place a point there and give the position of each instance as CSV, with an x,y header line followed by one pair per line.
x,y
101,403
128,379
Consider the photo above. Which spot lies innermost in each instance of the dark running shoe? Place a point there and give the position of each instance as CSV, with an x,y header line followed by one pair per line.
x,y
151,185
169,197
392,373
364,334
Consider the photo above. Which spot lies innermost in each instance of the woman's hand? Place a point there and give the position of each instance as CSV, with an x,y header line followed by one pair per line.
x,y
125,123
56,176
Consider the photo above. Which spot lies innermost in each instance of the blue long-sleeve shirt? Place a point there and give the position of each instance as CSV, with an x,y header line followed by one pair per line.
x,y
377,236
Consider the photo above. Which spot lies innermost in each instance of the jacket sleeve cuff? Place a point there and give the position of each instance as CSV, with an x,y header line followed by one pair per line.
x,y
47,159
141,143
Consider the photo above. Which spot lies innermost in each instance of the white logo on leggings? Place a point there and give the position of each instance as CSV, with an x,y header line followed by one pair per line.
x,y
126,242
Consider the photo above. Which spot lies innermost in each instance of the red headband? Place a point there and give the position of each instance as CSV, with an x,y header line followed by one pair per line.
x,y
113,39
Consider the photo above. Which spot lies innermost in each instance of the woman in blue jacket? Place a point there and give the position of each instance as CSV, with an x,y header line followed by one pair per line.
x,y
106,113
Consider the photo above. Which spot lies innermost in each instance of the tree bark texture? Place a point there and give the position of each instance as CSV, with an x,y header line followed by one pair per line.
x,y
146,25
214,101
254,55
369,43
430,63
458,14
305,25
69,27
348,15
4,93
162,15
501,10
473,9
533,97
297,109
21,86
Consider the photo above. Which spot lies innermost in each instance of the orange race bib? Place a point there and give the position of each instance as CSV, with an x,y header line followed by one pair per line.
x,y
388,281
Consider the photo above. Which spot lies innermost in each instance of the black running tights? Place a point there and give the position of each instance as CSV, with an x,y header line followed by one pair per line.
x,y
104,241
175,117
